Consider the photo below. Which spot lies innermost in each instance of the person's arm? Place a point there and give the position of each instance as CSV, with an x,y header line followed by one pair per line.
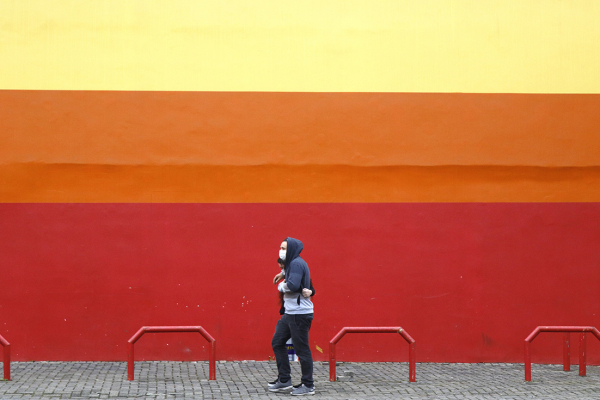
x,y
293,281
283,287
278,278
309,292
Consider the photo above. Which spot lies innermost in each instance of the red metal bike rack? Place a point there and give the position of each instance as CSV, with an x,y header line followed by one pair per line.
x,y
6,346
566,347
157,329
389,329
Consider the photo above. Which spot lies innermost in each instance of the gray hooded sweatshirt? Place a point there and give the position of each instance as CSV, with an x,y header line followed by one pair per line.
x,y
297,277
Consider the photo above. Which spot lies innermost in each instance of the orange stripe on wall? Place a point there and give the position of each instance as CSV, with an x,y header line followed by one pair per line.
x,y
361,129
62,146
294,184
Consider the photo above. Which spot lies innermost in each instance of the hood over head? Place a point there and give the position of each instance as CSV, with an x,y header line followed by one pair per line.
x,y
294,247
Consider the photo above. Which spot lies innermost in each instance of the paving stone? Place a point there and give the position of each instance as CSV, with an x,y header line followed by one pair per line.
x,y
248,379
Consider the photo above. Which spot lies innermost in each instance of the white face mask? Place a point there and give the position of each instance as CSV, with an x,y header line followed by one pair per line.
x,y
282,254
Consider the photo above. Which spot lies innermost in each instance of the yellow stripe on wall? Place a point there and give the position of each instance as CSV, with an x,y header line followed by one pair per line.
x,y
502,46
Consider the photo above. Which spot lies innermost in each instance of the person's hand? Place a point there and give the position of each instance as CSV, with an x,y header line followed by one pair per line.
x,y
306,292
278,278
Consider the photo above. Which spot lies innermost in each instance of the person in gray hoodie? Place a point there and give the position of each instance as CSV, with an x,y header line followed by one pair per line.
x,y
295,323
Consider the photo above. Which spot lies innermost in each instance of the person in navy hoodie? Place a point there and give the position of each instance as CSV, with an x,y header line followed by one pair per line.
x,y
281,277
295,323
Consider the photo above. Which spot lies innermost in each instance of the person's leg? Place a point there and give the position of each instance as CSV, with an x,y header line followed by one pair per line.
x,y
280,337
299,328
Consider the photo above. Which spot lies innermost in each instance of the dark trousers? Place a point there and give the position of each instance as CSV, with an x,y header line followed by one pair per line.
x,y
295,326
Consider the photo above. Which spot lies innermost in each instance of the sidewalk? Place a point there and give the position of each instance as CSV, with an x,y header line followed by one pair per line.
x,y
248,379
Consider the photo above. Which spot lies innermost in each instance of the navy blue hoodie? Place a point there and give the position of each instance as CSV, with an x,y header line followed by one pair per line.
x,y
297,277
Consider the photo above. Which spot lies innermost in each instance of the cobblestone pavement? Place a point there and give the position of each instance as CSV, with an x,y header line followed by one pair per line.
x,y
247,379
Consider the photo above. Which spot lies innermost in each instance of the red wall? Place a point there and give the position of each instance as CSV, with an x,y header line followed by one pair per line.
x,y
469,281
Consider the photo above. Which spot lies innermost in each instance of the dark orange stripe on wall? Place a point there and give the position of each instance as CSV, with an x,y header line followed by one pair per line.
x,y
295,184
65,146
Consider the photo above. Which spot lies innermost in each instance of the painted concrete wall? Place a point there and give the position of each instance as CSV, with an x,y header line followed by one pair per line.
x,y
438,159
468,280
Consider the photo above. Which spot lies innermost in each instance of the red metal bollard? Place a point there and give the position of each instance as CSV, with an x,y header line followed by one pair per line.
x,y
582,353
6,360
332,371
567,352
412,356
395,329
212,375
527,361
